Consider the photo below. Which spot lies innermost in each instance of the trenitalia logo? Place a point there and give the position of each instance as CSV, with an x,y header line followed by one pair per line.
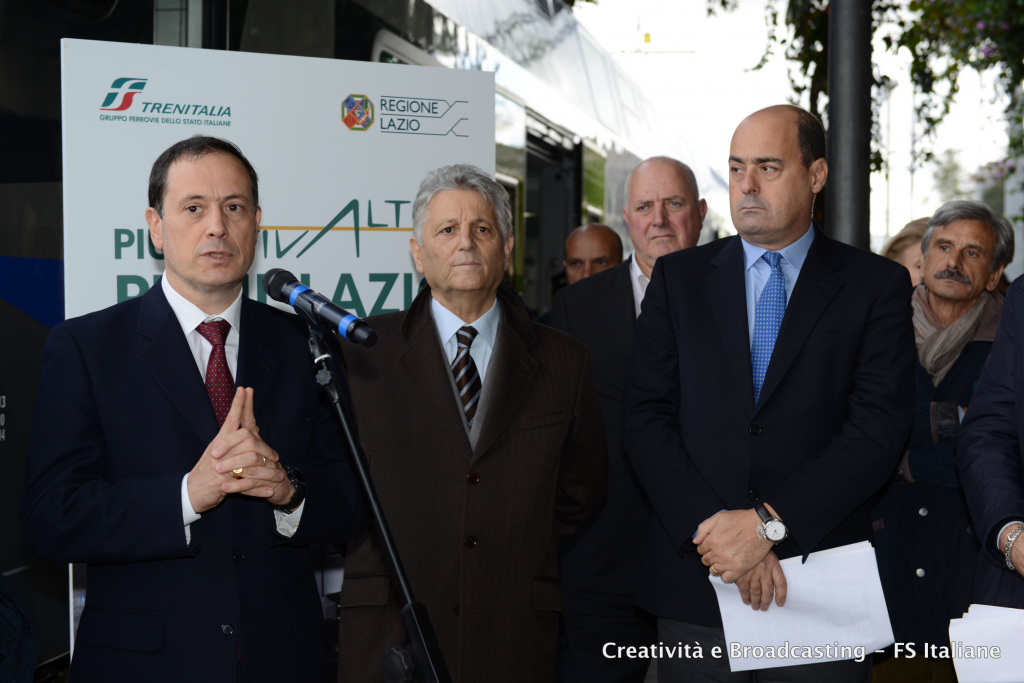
x,y
127,88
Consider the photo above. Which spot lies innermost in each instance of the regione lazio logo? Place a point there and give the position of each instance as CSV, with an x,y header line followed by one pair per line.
x,y
125,89
357,112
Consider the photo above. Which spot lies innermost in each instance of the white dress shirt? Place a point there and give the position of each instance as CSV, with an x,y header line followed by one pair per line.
x,y
756,271
448,324
190,317
639,282
999,536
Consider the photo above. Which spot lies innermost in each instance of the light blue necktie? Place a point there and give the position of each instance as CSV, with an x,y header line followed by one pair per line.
x,y
771,306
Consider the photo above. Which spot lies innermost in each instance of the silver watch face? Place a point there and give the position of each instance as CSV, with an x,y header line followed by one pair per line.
x,y
774,530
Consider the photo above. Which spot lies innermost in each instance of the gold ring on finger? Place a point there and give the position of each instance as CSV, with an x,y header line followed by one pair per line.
x,y
237,474
264,461
713,572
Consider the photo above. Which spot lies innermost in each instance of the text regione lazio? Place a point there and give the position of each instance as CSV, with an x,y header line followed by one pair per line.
x,y
419,342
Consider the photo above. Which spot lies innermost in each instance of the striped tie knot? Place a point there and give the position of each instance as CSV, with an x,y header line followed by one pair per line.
x,y
466,335
467,378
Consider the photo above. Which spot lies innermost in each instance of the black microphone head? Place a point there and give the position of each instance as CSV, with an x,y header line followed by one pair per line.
x,y
358,332
274,281
366,337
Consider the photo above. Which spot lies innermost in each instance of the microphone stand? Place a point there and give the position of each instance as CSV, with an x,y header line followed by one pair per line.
x,y
421,660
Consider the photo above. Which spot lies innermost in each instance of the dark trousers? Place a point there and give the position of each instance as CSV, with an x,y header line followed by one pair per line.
x,y
590,621
710,670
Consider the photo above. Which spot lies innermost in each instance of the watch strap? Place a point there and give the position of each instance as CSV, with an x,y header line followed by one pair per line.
x,y
299,484
762,513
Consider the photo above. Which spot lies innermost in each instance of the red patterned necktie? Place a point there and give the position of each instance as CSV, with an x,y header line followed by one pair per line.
x,y
219,383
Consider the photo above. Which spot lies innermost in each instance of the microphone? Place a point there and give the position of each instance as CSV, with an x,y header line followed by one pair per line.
x,y
282,286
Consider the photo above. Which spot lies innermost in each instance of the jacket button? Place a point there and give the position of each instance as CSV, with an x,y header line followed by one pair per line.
x,y
753,494
473,478
226,629
919,572
239,556
755,430
923,511
456,610
470,542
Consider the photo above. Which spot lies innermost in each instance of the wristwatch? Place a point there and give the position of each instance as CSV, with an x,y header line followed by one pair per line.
x,y
771,527
300,490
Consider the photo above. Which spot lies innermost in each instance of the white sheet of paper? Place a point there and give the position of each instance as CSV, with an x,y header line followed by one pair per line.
x,y
985,626
834,598
986,610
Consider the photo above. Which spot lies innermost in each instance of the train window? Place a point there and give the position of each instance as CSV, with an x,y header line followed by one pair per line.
x,y
630,104
510,125
600,83
514,270
385,57
390,49
171,22
650,114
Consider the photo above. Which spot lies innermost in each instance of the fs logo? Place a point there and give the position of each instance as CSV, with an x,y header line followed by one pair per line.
x,y
357,112
127,93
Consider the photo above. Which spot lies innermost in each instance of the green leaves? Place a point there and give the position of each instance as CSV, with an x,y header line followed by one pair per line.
x,y
943,37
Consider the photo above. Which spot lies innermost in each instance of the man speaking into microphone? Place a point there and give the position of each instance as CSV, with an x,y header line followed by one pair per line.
x,y
182,448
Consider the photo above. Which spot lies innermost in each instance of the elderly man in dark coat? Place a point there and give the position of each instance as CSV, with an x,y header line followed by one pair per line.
x,y
926,545
484,437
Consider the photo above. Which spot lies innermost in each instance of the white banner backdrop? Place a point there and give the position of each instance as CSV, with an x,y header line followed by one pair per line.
x,y
340,148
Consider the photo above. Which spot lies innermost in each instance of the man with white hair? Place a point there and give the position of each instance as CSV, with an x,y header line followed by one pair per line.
x,y
600,570
484,437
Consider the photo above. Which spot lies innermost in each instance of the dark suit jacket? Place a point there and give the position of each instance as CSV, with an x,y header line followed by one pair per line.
x,y
833,417
989,454
122,415
600,312
942,540
478,530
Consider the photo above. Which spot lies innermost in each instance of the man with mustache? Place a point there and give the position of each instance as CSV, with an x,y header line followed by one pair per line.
x,y
483,434
769,395
924,538
183,449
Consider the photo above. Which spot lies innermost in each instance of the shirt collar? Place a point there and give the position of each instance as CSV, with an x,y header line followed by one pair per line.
x,y
190,315
794,254
634,270
448,323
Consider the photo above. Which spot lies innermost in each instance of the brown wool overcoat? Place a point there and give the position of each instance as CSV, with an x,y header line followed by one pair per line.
x,y
479,531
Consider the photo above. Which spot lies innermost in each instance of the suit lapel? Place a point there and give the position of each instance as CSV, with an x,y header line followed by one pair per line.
x,y
424,361
513,371
257,365
814,289
726,288
168,358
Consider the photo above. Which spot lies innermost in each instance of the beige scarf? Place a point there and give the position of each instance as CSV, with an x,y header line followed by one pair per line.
x,y
938,347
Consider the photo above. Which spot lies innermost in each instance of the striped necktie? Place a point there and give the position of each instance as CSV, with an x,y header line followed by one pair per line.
x,y
467,377
771,307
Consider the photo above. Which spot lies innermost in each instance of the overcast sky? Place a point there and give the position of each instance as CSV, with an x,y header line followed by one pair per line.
x,y
699,67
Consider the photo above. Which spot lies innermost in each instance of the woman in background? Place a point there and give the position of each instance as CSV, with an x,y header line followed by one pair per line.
x,y
905,248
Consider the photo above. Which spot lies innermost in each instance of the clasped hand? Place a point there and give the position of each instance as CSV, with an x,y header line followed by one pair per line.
x,y
238,446
729,542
